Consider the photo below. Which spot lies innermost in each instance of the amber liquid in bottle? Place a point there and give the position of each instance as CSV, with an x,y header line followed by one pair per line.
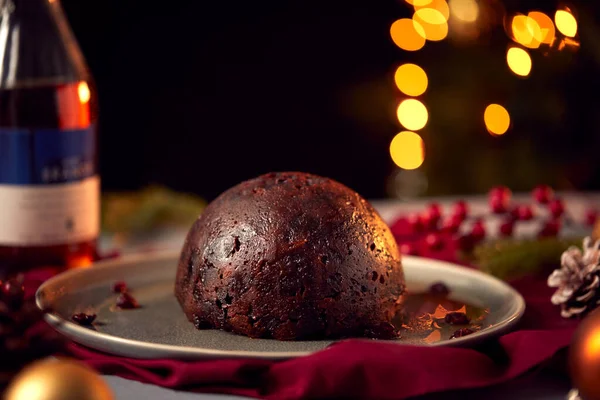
x,y
49,184
58,107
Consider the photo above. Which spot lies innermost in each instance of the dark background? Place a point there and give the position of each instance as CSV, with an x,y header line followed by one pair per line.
x,y
200,95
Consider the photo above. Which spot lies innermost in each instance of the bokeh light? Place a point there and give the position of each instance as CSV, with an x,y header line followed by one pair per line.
x,y
439,5
411,79
526,31
547,31
83,91
464,10
407,34
435,25
565,23
497,119
518,61
412,114
419,3
407,150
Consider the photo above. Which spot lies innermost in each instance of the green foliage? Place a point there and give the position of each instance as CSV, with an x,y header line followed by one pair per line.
x,y
510,258
153,208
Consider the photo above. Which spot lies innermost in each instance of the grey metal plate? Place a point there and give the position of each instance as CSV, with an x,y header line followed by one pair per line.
x,y
159,328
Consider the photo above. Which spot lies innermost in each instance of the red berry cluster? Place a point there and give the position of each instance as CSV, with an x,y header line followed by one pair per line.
x,y
545,207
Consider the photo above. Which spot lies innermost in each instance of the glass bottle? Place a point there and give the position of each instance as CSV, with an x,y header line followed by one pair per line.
x,y
49,183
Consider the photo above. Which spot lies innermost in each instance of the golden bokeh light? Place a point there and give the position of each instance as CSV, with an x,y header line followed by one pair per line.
x,y
412,114
435,25
419,3
411,79
407,150
439,5
407,34
83,90
518,61
565,23
547,31
464,10
497,119
526,31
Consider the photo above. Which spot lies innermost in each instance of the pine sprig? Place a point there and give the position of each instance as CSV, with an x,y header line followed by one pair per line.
x,y
510,258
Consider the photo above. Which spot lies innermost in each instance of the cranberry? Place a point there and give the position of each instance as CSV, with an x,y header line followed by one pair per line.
x,y
550,229
499,198
460,210
498,205
591,216
126,301
506,228
408,249
434,242
434,211
543,194
119,287
524,212
500,191
83,318
13,293
452,224
457,318
461,332
415,223
429,221
439,289
478,231
556,208
466,242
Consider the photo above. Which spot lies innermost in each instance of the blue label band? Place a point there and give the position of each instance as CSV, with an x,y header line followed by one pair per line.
x,y
46,156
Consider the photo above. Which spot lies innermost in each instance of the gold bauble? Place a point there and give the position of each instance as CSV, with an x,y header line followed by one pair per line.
x,y
584,357
58,379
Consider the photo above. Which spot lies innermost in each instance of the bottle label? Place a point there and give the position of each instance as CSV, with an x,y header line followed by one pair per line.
x,y
49,187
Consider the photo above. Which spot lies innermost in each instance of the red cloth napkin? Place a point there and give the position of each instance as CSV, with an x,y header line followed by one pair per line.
x,y
367,369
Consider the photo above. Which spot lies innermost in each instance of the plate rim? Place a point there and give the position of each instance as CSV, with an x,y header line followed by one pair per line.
x,y
84,336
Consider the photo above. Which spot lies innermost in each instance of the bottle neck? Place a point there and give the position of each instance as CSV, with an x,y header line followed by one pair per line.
x,y
37,45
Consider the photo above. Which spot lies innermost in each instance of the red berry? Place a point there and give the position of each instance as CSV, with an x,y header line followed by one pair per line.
x,y
415,223
126,301
524,213
119,287
428,223
462,332
439,289
591,216
460,210
543,194
500,191
478,231
83,318
465,243
506,228
434,211
434,242
498,205
550,229
556,208
452,224
12,293
408,249
457,318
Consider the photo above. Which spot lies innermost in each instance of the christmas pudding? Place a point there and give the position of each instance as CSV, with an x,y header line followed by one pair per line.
x,y
291,256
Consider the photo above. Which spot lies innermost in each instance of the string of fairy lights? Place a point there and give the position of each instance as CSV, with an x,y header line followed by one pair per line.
x,y
434,21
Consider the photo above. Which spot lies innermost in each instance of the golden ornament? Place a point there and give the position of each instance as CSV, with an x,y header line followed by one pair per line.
x,y
59,379
584,357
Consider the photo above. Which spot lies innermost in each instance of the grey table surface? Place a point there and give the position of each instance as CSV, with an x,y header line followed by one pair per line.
x,y
538,386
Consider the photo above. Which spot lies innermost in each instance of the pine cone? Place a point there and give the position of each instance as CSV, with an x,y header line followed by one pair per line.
x,y
24,336
578,280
